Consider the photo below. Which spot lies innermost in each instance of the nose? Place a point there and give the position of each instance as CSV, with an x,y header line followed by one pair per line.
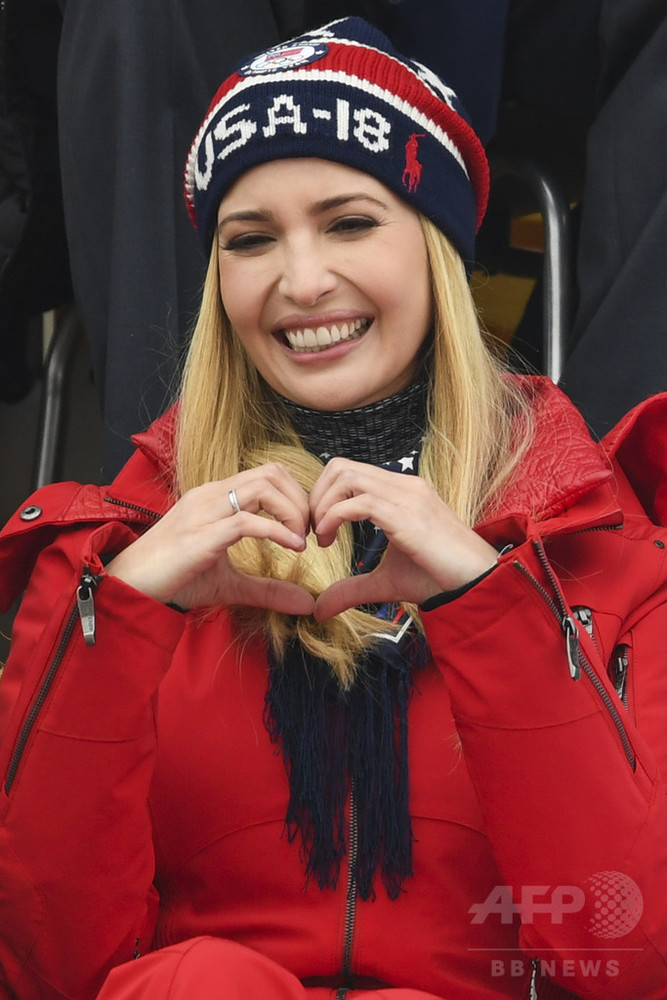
x,y
305,274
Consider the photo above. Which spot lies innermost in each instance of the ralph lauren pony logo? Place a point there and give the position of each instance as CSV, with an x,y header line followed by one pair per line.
x,y
413,168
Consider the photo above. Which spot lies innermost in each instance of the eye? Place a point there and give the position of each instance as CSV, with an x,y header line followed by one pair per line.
x,y
246,242
353,224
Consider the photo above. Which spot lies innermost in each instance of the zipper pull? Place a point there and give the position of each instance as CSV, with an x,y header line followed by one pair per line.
x,y
585,617
86,605
571,646
620,672
559,606
535,965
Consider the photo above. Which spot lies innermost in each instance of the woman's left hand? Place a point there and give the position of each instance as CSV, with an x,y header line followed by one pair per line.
x,y
430,550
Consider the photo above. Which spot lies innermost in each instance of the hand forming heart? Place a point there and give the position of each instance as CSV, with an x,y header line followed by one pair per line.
x,y
429,548
183,558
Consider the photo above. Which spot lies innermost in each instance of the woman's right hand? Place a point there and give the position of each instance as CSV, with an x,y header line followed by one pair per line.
x,y
183,558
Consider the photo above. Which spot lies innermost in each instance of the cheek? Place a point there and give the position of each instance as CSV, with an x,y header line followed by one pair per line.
x,y
228,296
240,296
406,294
402,273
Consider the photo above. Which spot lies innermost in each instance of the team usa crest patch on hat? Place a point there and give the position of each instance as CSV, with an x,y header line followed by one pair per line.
x,y
284,57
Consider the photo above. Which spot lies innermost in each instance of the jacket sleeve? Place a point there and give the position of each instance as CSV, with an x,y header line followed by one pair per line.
x,y
571,786
76,760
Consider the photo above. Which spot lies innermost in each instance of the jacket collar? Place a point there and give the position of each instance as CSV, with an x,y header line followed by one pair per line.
x,y
562,465
564,481
565,478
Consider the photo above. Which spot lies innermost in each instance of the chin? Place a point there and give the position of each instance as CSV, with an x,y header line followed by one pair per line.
x,y
330,402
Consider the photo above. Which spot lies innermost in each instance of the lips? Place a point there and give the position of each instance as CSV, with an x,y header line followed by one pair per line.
x,y
314,339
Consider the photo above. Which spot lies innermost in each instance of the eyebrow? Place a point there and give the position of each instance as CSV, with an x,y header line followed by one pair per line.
x,y
344,199
338,201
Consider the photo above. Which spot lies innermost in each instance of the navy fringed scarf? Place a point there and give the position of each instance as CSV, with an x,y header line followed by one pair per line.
x,y
334,741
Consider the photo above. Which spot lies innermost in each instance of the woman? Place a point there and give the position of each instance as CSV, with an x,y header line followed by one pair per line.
x,y
233,768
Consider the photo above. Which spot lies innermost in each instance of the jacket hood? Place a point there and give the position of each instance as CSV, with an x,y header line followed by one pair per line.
x,y
639,445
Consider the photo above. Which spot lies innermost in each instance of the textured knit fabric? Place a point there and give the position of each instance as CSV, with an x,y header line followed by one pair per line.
x,y
375,433
343,93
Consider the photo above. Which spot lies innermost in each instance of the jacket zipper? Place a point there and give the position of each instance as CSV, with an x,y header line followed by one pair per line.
x,y
566,621
86,587
620,662
597,527
85,605
351,898
133,506
620,666
84,610
585,617
575,657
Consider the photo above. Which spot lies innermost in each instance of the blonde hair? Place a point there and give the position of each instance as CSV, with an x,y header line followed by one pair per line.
x,y
478,427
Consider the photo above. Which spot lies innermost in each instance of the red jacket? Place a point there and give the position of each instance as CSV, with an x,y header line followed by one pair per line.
x,y
143,803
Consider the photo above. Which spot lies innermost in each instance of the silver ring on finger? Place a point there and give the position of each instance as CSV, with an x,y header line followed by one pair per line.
x,y
234,501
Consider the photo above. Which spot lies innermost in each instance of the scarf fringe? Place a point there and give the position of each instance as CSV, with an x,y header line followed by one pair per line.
x,y
333,740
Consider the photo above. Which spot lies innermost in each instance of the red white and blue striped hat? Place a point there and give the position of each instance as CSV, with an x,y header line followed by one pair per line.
x,y
342,93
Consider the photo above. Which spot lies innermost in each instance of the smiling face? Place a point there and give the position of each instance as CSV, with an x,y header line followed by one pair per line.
x,y
324,277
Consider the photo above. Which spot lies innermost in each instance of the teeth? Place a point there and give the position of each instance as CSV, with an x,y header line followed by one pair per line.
x,y
324,336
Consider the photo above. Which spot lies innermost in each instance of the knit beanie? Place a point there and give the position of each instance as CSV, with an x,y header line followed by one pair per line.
x,y
343,93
